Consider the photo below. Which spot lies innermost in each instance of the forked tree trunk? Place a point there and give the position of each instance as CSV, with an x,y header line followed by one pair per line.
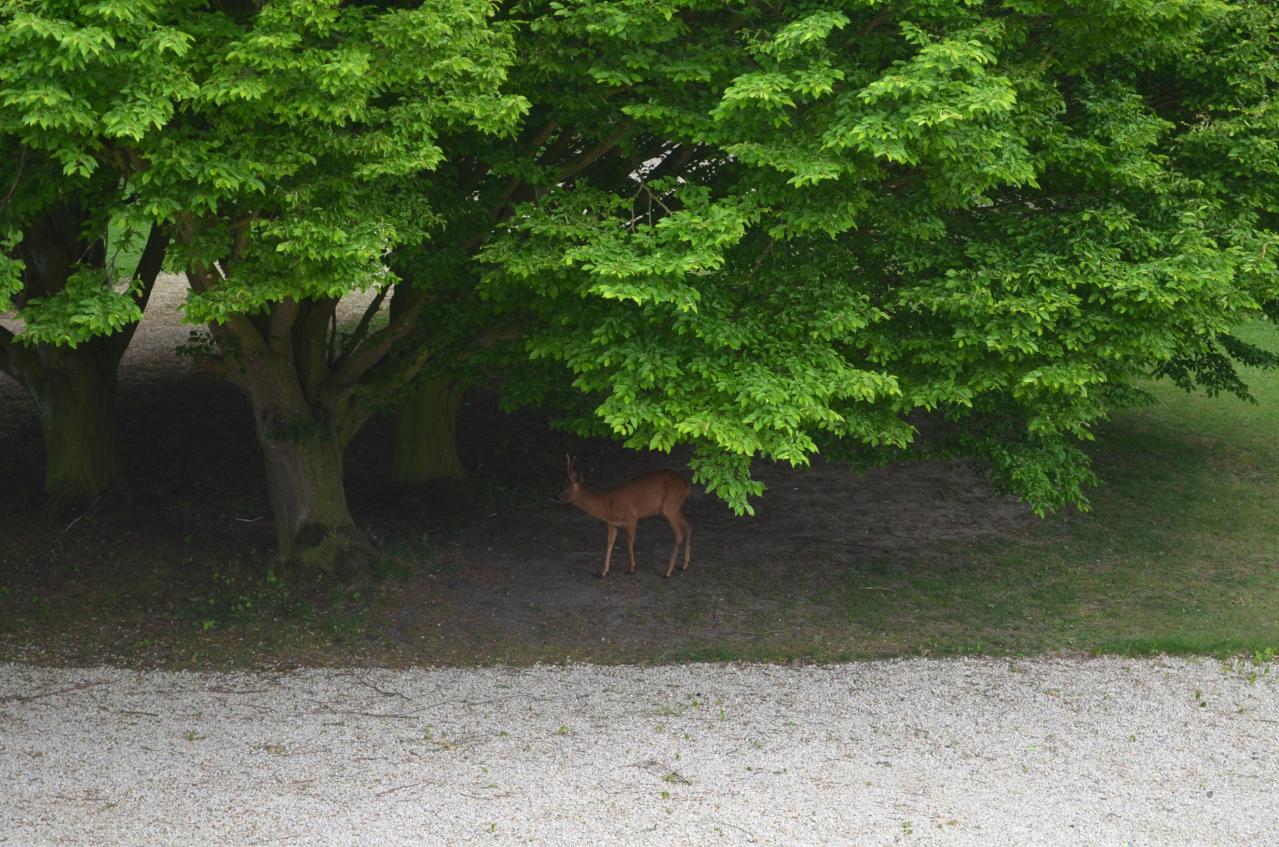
x,y
303,458
307,404
424,441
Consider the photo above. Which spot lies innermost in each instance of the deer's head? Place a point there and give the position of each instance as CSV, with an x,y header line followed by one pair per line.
x,y
573,488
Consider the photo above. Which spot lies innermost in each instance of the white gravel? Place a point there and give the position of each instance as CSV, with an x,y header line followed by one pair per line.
x,y
956,752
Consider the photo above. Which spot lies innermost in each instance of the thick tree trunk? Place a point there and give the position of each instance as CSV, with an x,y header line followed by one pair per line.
x,y
314,526
307,404
74,392
74,388
424,442
303,457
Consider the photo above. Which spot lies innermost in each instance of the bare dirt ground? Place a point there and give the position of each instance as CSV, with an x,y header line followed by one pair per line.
x,y
506,573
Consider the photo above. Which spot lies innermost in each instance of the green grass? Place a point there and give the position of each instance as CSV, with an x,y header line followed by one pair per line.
x,y
1179,555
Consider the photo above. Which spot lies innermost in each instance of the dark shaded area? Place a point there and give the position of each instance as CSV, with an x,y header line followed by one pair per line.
x,y
490,568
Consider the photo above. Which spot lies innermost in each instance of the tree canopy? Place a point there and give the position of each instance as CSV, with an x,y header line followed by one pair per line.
x,y
983,213
759,230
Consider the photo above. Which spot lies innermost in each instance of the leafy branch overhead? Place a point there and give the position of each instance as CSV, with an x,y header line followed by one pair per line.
x,y
757,230
884,212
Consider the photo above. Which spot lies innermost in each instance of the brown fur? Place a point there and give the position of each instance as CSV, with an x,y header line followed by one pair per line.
x,y
654,493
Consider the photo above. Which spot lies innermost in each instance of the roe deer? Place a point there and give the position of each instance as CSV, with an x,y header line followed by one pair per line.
x,y
653,493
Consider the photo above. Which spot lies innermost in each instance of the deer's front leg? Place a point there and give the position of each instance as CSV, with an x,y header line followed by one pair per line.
x,y
608,554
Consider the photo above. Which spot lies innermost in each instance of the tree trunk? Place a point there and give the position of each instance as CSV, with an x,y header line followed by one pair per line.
x,y
303,457
74,388
74,392
314,526
306,406
424,441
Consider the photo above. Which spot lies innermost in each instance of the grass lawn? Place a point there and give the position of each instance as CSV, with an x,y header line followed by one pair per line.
x,y
1180,553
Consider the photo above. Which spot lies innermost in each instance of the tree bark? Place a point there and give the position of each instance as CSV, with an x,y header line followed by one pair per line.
x,y
74,391
303,457
314,527
74,388
424,439
307,405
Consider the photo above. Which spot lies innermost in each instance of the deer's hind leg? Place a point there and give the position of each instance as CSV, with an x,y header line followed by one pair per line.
x,y
630,545
688,541
678,526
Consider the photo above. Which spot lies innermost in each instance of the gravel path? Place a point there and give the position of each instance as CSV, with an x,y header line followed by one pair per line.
x,y
956,752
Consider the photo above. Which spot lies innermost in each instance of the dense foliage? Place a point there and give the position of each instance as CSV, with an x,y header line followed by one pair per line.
x,y
762,230
987,214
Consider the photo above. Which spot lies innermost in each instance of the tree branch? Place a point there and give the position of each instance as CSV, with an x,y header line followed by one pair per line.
x,y
371,350
310,333
362,328
386,361
595,153
884,16
331,347
531,146
237,327
240,230
536,141
516,189
558,149
199,276
373,394
279,335
148,269
8,341
509,191
149,264
17,177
